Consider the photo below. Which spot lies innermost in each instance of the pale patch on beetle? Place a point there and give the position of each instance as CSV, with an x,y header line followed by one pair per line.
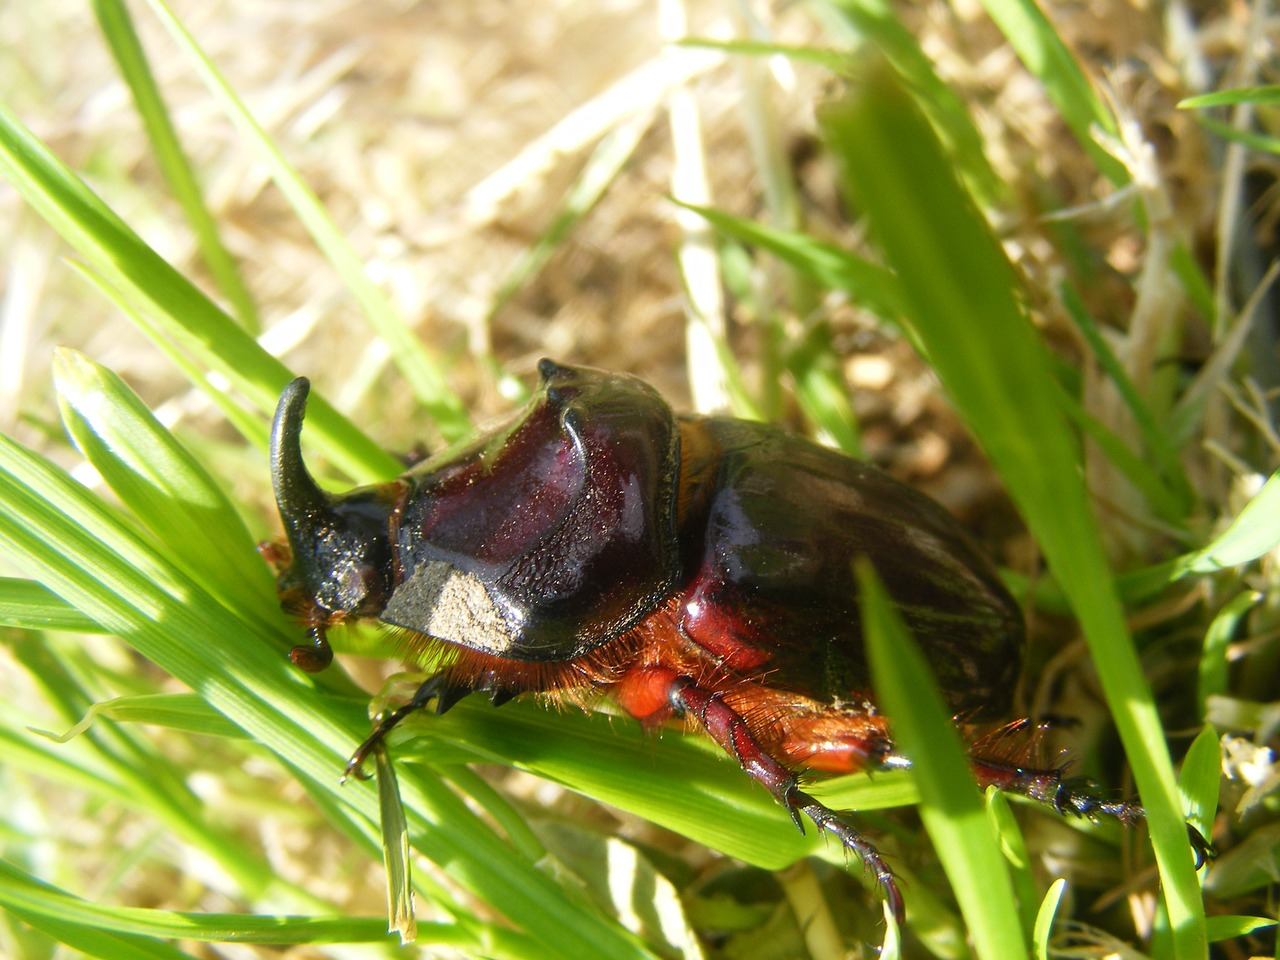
x,y
454,605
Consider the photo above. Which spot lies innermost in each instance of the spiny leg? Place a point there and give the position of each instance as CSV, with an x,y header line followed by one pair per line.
x,y
727,728
438,687
1077,796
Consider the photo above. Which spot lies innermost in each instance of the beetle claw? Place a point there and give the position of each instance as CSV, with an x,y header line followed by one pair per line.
x,y
790,799
438,688
1202,846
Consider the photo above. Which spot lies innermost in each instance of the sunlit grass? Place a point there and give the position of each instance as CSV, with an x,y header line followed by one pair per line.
x,y
139,618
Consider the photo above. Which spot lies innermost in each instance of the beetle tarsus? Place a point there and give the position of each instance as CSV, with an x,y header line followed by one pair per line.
x,y
1074,796
830,822
438,688
727,728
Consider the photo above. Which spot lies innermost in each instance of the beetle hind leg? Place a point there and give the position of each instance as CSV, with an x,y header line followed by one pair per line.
x,y
1076,796
730,730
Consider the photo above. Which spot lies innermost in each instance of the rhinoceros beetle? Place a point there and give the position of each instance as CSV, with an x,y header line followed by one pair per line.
x,y
685,565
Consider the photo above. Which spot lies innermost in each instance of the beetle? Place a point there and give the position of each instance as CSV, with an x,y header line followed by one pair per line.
x,y
693,566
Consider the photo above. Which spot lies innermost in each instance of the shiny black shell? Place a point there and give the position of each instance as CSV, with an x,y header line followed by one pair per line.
x,y
596,509
546,541
771,586
537,542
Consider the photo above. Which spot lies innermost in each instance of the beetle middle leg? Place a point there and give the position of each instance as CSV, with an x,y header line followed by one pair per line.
x,y
728,728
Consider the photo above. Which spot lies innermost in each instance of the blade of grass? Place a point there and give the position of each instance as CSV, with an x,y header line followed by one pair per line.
x,y
249,425
1231,98
1014,849
1043,52
963,303
1045,917
1155,440
28,605
161,483
948,113
176,711
395,851
867,284
1212,680
421,372
79,549
117,254
22,892
607,160
950,805
1201,778
1255,531
117,26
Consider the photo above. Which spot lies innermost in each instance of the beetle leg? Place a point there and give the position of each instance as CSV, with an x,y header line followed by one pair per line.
x,y
439,688
1080,796
727,728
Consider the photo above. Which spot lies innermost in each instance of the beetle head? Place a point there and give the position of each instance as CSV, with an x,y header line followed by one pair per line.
x,y
339,555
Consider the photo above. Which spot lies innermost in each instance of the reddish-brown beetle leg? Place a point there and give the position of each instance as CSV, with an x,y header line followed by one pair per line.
x,y
1079,796
727,728
437,688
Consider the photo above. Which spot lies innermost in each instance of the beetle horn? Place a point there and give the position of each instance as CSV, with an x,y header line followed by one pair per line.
x,y
300,499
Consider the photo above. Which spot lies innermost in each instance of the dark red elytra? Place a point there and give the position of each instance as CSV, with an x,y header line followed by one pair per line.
x,y
687,566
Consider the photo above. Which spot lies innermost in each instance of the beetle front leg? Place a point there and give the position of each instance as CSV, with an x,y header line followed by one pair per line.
x,y
437,687
727,728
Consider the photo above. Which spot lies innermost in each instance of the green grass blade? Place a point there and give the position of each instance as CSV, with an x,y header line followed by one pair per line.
x,y
964,304
117,26
86,555
1228,928
1042,52
867,284
946,110
161,483
1231,98
1201,778
1154,440
421,371
1045,917
30,896
176,711
1248,138
950,805
1213,672
28,605
1138,470
602,168
1014,849
117,254
1254,532
395,851
135,932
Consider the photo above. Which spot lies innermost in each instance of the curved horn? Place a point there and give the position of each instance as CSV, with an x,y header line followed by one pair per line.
x,y
297,494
